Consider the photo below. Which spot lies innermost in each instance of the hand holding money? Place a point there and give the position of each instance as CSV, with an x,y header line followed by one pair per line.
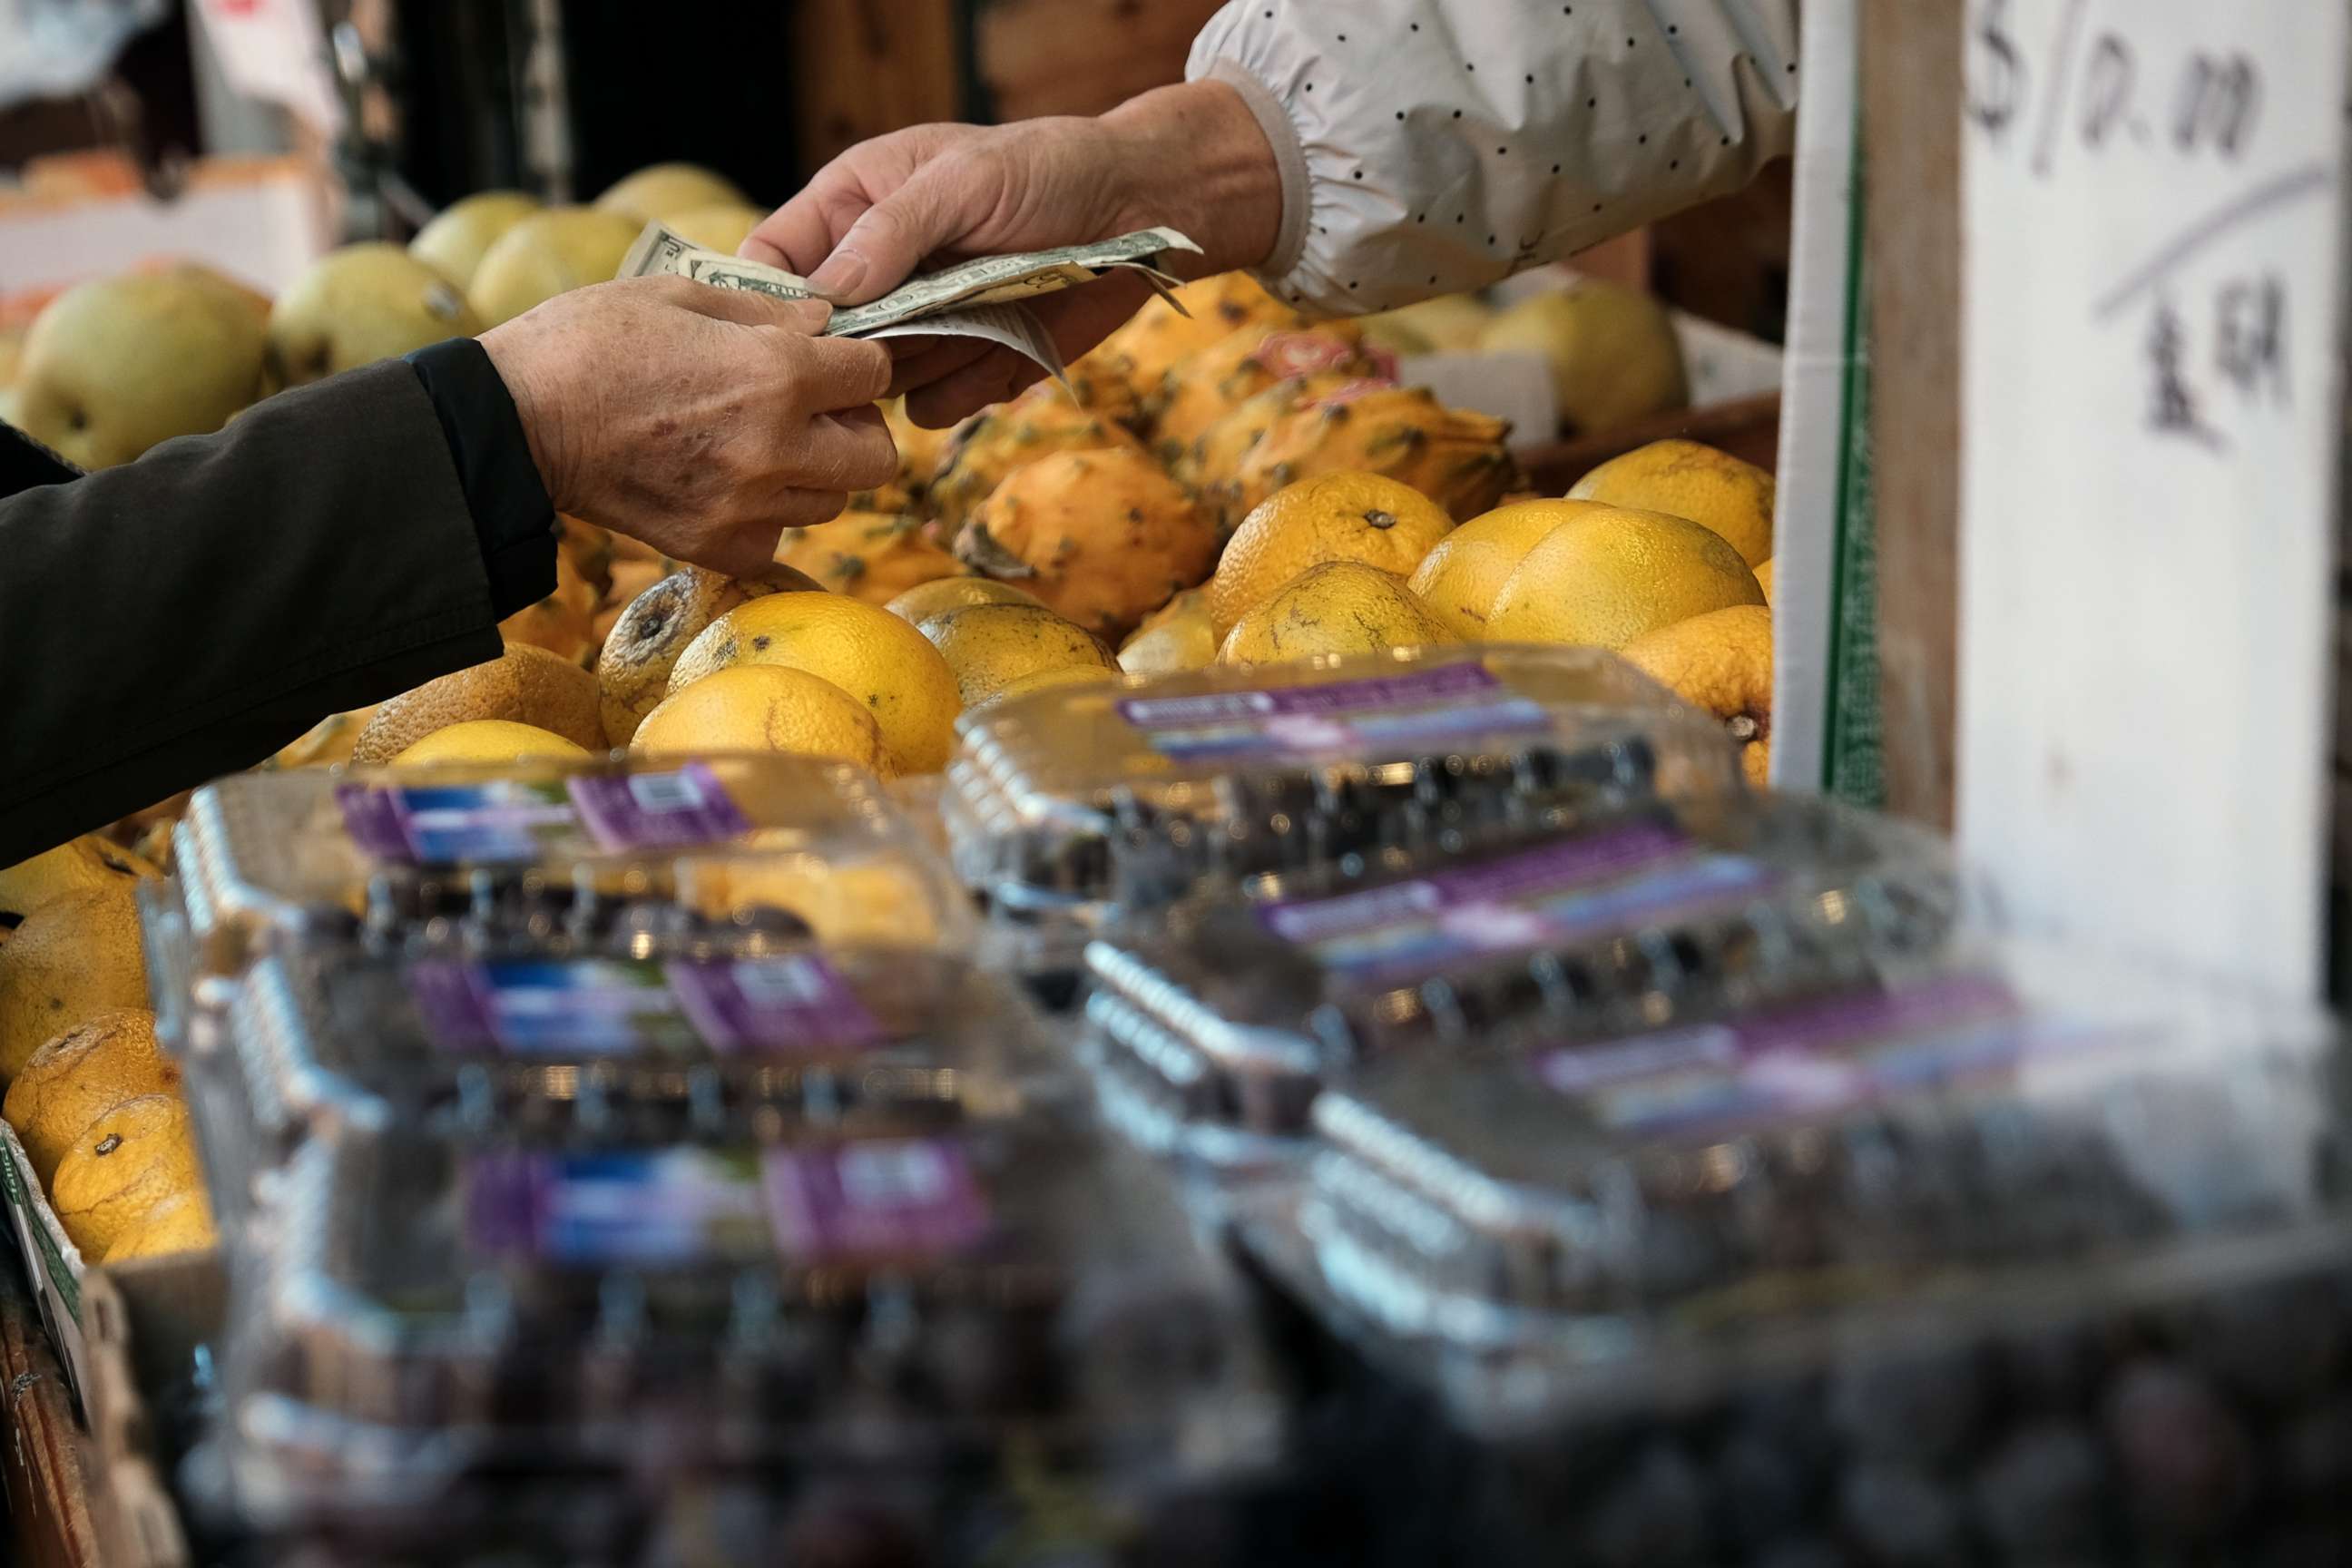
x,y
977,299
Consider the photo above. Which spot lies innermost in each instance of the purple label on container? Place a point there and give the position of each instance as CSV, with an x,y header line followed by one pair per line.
x,y
1424,685
658,811
637,1208
883,1198
506,821
1563,892
783,1002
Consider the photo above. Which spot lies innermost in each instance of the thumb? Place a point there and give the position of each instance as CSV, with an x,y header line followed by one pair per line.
x,y
889,240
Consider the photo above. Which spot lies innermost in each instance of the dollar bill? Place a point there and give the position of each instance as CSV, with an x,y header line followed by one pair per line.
x,y
988,280
1014,325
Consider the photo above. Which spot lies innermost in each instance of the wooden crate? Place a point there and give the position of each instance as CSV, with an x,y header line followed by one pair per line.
x,y
1748,427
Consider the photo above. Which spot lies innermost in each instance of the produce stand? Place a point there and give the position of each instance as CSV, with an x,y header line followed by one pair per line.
x,y
44,1452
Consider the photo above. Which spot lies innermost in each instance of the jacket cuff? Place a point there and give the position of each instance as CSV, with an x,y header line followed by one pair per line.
x,y
513,519
1281,135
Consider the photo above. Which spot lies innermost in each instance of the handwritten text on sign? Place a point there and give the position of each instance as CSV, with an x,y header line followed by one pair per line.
x,y
2152,196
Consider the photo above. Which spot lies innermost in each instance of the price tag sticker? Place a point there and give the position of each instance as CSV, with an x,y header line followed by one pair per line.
x,y
2151,419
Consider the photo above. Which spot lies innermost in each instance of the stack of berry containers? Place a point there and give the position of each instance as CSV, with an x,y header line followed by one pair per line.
x,y
1213,1027
1071,807
1972,1271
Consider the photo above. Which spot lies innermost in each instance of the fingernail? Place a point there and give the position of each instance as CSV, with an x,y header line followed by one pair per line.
x,y
840,275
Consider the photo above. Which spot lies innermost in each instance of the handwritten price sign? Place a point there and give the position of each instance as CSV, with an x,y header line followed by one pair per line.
x,y
2155,200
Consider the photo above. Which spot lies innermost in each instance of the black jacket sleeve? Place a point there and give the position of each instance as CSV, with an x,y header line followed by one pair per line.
x,y
186,614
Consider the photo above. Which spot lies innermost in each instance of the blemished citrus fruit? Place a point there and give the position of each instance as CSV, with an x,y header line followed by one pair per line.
x,y
1608,577
487,740
1461,577
1364,517
1687,479
633,671
1178,636
1721,661
83,1074
1613,353
182,1223
658,190
121,1167
990,646
77,866
878,659
1340,606
764,707
1049,679
1764,579
525,684
75,957
919,603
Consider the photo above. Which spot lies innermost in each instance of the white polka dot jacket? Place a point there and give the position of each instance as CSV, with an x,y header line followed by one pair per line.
x,y
1435,145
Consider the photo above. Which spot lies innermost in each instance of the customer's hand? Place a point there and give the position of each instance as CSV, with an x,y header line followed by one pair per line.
x,y
1189,157
703,421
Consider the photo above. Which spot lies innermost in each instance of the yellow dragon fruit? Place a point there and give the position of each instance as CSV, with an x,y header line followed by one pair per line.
x,y
996,441
1204,387
1141,351
918,454
1213,464
1454,457
1103,538
1100,387
869,556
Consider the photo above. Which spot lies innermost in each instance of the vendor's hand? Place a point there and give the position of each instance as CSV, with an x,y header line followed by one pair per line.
x,y
1189,157
703,421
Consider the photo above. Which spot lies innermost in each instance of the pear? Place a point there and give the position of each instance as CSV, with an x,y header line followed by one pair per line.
x,y
1612,350
662,189
547,254
358,305
117,365
455,242
719,227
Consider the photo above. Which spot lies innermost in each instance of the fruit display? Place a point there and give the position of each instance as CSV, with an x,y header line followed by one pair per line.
x,y
1365,519
870,555
990,446
454,242
1336,608
547,252
1612,349
359,304
1454,457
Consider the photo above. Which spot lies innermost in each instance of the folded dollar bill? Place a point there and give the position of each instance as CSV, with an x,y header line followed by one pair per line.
x,y
987,281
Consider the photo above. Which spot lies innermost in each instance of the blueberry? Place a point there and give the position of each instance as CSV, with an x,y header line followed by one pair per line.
x,y
1654,1515
1922,1409
1896,1517
2181,1454
2039,1491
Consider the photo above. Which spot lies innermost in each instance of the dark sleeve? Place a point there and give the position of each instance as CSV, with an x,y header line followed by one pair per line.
x,y
186,614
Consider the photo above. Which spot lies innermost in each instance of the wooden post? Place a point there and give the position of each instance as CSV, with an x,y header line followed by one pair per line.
x,y
1911,82
866,68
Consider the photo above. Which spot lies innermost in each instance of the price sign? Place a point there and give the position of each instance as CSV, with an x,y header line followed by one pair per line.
x,y
2154,203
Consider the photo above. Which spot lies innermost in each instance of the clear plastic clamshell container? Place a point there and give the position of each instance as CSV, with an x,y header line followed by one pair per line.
x,y
346,1038
1067,802
1213,1024
777,1294
1542,1229
594,852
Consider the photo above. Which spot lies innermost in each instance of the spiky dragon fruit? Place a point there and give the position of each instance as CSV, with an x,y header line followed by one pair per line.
x,y
1205,387
1159,336
1454,457
1213,464
996,441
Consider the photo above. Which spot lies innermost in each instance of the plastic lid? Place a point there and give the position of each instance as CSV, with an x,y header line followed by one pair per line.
x,y
1131,792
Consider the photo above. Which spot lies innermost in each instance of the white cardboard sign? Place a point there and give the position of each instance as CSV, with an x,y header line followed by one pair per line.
x,y
2154,195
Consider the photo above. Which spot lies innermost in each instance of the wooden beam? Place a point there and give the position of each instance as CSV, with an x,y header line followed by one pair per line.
x,y
866,68
1911,85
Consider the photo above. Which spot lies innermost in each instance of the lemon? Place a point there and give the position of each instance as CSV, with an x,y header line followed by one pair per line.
x,y
1721,661
182,1223
121,1167
487,740
880,660
1339,607
1178,636
72,959
76,865
1048,679
990,646
1607,576
1460,577
1365,518
80,1076
922,602
764,707
1687,479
